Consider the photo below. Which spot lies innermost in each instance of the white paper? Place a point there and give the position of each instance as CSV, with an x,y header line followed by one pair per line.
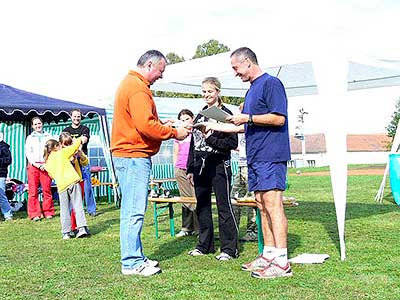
x,y
309,258
215,113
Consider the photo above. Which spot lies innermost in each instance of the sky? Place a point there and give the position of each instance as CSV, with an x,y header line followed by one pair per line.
x,y
80,50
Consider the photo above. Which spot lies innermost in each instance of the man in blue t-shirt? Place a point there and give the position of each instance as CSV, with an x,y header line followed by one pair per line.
x,y
264,122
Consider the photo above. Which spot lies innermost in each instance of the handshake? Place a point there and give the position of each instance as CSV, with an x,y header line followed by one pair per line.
x,y
204,127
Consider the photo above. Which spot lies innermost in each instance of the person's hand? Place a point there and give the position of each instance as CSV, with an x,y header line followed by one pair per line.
x,y
207,132
84,139
190,178
167,122
204,127
238,119
182,133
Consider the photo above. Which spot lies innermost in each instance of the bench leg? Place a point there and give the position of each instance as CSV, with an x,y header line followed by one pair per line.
x,y
155,219
259,232
171,219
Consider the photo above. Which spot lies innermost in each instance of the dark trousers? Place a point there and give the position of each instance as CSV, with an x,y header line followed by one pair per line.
x,y
215,175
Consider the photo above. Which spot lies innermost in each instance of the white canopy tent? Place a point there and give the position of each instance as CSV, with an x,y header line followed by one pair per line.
x,y
328,72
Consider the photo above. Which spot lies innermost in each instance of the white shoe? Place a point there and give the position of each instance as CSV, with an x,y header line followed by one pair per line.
x,y
66,236
224,257
184,233
151,263
195,252
143,270
82,233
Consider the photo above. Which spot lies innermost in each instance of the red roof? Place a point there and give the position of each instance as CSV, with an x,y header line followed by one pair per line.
x,y
315,143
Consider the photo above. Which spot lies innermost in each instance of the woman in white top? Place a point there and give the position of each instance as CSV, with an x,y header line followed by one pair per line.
x,y
37,176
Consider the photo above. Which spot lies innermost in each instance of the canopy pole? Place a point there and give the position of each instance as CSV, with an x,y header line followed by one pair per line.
x,y
331,72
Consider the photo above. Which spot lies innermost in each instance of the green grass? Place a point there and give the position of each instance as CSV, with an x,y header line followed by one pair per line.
x,y
35,263
326,168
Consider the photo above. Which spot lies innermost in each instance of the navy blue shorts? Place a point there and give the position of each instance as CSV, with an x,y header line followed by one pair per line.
x,y
266,176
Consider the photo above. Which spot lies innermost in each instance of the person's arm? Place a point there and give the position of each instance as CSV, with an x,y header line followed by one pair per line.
x,y
146,121
86,134
228,141
8,158
190,162
83,159
223,127
71,150
30,151
270,119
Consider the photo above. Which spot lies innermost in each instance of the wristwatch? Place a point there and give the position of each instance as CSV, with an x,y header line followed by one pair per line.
x,y
250,120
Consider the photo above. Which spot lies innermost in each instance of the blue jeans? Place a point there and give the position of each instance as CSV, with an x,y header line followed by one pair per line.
x,y
4,204
133,176
87,184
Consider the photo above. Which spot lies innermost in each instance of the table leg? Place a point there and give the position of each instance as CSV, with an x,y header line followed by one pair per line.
x,y
171,219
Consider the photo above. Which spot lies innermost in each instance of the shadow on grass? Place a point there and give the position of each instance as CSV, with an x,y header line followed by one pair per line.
x,y
103,226
324,213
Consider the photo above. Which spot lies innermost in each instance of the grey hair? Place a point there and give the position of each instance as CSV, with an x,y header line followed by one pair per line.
x,y
154,55
246,52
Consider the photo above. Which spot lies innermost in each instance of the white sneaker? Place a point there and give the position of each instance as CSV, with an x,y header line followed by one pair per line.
x,y
223,257
195,252
151,263
82,233
184,233
143,270
66,236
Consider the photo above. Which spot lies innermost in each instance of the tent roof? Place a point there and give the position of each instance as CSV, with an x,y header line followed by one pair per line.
x,y
296,75
19,105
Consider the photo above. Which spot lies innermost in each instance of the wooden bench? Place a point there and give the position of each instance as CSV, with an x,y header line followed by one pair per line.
x,y
167,204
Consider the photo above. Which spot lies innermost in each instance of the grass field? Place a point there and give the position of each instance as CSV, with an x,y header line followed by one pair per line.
x,y
35,263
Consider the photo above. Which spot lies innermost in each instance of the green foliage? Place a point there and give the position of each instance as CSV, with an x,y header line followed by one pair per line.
x,y
173,58
174,94
212,47
232,100
35,263
392,127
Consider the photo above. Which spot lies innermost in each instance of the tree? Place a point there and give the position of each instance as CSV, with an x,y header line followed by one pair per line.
x,y
207,49
173,58
392,127
210,48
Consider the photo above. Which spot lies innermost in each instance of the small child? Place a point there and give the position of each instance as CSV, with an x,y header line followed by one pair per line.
x,y
79,160
58,165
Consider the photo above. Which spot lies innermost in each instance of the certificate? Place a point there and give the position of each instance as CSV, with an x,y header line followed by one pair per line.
x,y
215,113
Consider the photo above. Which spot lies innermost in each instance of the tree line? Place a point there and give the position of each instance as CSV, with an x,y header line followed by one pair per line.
x,y
209,48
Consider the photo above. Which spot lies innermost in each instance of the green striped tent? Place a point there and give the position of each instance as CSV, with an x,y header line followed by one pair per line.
x,y
17,109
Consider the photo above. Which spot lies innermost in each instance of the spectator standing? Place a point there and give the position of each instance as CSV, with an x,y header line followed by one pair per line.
x,y
240,190
5,161
136,136
37,175
181,153
77,130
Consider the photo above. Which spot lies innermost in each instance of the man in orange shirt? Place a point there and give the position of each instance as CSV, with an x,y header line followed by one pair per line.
x,y
136,136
